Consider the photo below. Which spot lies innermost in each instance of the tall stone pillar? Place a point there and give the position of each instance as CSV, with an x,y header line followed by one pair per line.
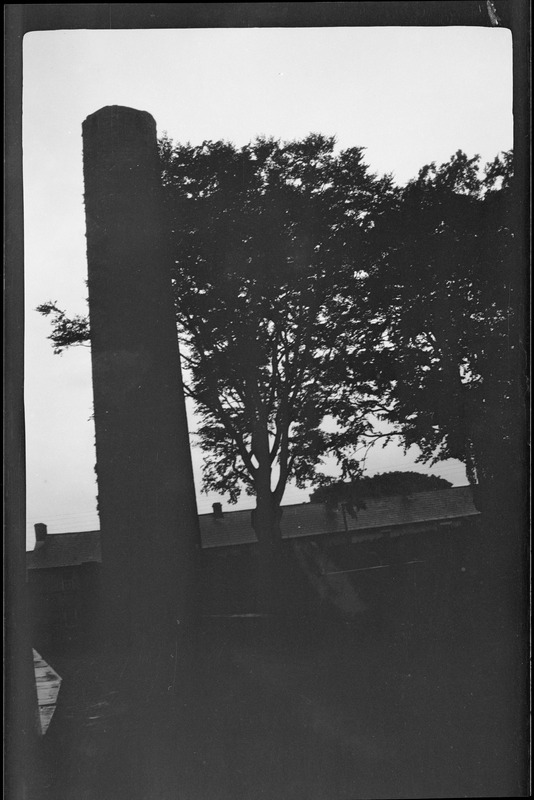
x,y
146,497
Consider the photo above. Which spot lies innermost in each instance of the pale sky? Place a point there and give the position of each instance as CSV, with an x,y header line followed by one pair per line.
x,y
408,95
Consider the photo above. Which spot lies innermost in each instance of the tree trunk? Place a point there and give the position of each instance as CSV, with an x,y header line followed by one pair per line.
x,y
266,524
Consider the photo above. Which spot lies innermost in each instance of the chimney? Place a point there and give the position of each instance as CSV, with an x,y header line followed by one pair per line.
x,y
217,510
40,534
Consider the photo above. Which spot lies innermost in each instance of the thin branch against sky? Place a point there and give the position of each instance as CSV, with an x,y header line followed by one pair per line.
x,y
408,95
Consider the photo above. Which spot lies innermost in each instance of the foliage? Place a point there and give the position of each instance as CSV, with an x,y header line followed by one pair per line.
x,y
380,485
264,237
67,331
442,301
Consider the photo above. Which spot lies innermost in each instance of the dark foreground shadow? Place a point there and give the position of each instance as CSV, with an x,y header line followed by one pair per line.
x,y
417,703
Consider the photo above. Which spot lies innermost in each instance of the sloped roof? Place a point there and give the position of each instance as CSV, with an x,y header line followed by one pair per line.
x,y
313,519
66,550
305,519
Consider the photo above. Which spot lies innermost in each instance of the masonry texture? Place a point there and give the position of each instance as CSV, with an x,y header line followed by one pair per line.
x,y
146,493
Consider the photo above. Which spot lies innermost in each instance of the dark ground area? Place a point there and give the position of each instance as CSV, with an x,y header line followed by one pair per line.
x,y
419,696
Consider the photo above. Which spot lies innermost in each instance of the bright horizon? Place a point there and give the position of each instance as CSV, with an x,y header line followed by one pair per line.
x,y
408,95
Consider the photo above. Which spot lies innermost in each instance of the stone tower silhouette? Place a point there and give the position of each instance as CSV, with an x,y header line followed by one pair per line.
x,y
146,496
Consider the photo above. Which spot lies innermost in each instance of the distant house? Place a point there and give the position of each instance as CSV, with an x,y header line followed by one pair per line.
x,y
63,570
63,577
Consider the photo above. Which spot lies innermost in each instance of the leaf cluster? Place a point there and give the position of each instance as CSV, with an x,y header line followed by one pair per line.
x,y
66,331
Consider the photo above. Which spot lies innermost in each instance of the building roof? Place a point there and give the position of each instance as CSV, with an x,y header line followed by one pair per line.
x,y
314,519
305,519
66,550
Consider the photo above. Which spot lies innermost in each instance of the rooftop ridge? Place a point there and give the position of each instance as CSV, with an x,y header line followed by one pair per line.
x,y
378,497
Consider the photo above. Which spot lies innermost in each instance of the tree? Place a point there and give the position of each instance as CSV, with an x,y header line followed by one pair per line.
x,y
443,311
264,237
264,240
381,485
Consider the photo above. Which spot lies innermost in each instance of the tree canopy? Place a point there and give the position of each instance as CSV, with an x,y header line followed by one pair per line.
x,y
380,485
263,239
443,317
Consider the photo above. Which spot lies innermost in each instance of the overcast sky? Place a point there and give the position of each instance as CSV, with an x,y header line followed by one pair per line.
x,y
408,95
